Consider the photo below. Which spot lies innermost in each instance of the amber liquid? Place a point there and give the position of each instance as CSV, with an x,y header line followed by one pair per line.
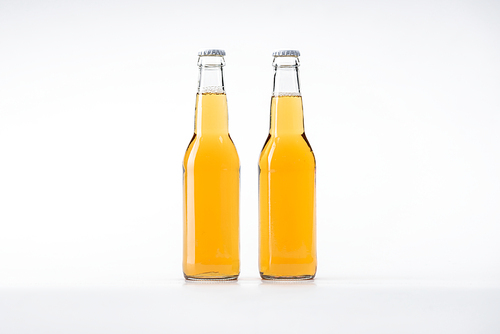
x,y
211,195
287,196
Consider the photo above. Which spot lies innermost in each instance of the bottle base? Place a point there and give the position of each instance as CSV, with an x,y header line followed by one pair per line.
x,y
202,278
287,278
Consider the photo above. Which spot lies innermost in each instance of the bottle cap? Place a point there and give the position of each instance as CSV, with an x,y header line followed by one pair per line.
x,y
212,52
286,53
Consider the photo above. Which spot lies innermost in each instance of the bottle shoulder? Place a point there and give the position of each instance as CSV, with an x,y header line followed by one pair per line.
x,y
294,149
211,148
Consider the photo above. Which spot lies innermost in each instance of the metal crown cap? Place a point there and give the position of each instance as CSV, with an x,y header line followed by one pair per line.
x,y
212,52
286,53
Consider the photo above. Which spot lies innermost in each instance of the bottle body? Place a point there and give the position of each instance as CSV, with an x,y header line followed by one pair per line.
x,y
287,194
211,194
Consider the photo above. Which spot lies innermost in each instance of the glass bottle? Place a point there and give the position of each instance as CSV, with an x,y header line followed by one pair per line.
x,y
211,182
287,190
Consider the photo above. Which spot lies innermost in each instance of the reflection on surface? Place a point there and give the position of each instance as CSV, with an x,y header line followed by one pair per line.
x,y
250,282
210,282
288,282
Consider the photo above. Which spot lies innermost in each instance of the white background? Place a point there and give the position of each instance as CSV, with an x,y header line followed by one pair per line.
x,y
401,106
401,103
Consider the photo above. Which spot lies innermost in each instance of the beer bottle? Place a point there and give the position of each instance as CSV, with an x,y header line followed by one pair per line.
x,y
211,182
287,191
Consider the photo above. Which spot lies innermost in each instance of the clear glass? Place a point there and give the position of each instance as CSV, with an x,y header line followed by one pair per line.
x,y
211,184
287,184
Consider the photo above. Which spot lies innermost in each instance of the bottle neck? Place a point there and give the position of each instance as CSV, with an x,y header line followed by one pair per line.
x,y
211,78
287,117
286,76
211,104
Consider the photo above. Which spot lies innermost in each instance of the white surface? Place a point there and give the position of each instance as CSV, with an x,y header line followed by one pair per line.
x,y
251,306
96,110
